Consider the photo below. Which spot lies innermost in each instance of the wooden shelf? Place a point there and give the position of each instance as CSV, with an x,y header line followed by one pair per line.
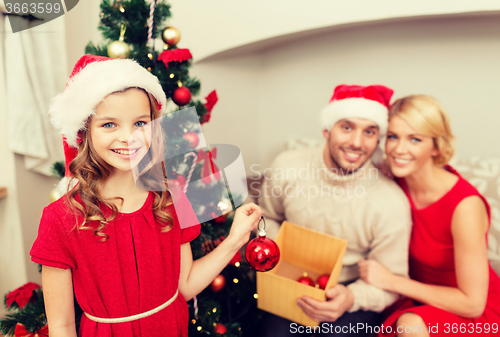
x,y
3,192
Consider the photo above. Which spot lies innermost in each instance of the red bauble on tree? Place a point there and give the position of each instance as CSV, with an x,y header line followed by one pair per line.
x,y
306,280
181,96
322,281
192,138
262,254
218,284
220,328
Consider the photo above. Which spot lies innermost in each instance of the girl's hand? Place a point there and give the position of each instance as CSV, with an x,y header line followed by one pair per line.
x,y
376,274
245,220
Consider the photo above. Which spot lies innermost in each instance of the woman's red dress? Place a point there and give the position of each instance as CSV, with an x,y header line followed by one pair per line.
x,y
431,261
135,270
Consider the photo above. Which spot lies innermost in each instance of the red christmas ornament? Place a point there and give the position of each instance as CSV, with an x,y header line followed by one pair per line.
x,y
218,284
322,281
181,96
306,280
262,254
192,138
220,328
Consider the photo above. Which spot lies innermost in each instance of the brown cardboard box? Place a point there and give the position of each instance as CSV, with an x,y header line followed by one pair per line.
x,y
302,250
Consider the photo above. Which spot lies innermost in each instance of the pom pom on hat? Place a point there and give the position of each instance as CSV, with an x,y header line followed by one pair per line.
x,y
92,79
355,101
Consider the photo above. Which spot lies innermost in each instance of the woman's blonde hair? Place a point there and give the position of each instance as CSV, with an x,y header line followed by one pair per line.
x,y
428,117
91,171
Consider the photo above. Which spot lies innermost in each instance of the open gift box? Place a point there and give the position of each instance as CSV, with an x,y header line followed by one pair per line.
x,y
302,251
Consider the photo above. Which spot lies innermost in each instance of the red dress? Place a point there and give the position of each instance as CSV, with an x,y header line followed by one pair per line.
x,y
431,261
135,270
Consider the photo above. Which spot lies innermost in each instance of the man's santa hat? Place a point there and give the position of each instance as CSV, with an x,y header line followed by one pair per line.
x,y
92,79
354,101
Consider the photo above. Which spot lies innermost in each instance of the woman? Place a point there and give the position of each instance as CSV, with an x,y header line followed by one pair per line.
x,y
453,289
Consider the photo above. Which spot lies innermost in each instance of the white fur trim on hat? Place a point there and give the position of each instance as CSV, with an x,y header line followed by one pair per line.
x,y
71,109
62,185
355,107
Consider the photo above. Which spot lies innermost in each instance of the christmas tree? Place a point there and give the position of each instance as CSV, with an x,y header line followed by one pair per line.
x,y
130,29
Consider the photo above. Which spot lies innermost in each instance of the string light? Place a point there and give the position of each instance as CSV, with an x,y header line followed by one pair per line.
x,y
172,75
149,68
199,328
122,9
193,321
235,280
150,56
255,296
214,310
237,264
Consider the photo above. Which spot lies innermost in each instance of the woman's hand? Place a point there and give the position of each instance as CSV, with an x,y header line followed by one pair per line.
x,y
245,220
376,274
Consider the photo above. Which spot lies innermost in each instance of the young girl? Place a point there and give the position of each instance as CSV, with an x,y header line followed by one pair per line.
x,y
453,290
118,248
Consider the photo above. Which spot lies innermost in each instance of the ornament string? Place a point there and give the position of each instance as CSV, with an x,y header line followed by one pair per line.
x,y
190,174
258,225
123,29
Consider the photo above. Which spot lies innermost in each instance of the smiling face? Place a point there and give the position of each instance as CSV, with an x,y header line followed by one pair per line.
x,y
408,151
116,118
350,143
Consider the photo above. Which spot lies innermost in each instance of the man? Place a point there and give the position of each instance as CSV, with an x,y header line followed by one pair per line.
x,y
338,191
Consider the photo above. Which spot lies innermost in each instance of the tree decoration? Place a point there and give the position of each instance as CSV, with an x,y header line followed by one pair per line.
x,y
218,283
25,312
220,328
21,331
174,55
192,138
151,19
211,100
181,96
209,167
22,295
54,195
171,36
262,254
119,49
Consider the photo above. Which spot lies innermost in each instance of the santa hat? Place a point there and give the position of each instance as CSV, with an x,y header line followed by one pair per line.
x,y
354,101
92,79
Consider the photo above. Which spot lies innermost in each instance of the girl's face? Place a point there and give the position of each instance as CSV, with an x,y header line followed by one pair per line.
x,y
407,151
116,118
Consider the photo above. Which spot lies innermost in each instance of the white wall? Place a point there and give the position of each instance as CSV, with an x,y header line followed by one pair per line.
x,y
210,27
454,59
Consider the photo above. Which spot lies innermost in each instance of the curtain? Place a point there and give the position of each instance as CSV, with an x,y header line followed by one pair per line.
x,y
35,71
